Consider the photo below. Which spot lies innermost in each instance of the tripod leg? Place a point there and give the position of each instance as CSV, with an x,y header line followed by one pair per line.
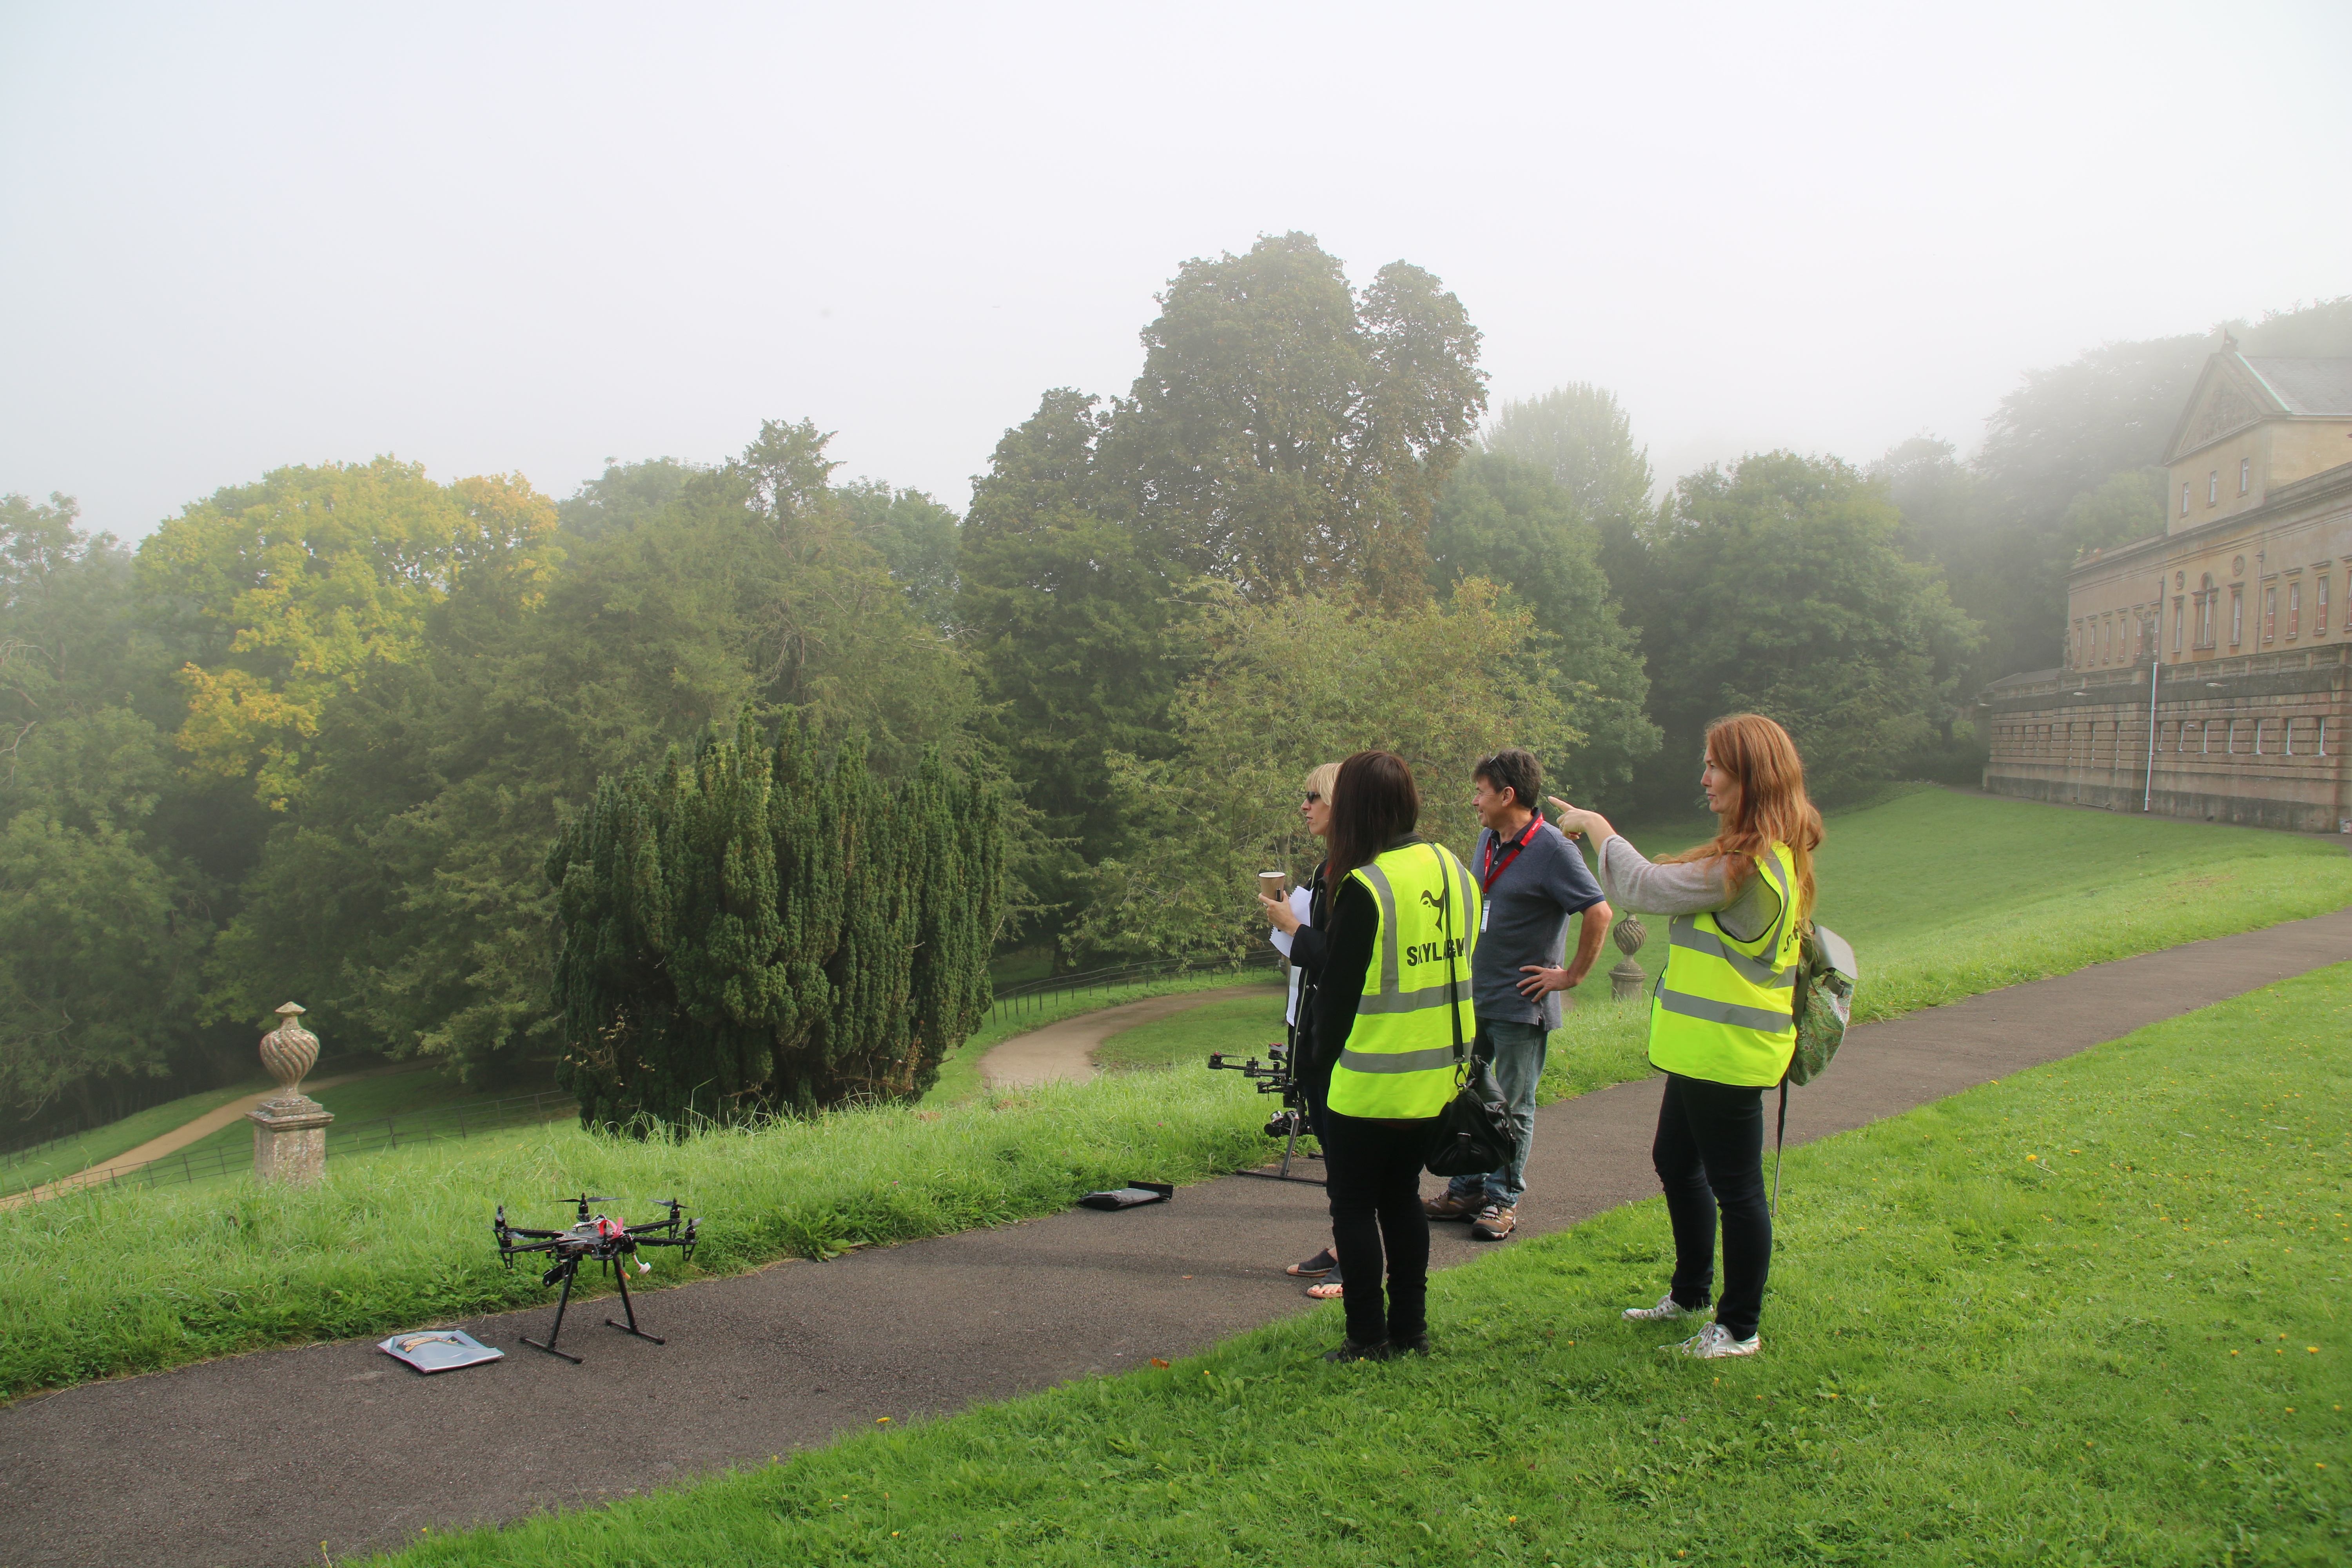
x,y
561,1303
621,1273
1290,1146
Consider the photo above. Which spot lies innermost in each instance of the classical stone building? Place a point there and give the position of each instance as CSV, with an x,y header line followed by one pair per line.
x,y
2209,669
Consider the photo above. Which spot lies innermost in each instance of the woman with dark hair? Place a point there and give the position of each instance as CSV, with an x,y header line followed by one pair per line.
x,y
1721,1025
1393,1014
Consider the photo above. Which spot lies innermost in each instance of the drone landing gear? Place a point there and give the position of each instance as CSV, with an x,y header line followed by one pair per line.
x,y
553,1334
1282,1171
628,1309
621,1273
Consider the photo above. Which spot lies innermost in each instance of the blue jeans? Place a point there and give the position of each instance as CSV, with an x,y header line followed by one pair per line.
x,y
1518,1057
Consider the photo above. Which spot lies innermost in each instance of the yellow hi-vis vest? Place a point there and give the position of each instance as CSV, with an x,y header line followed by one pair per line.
x,y
1723,1009
1399,1059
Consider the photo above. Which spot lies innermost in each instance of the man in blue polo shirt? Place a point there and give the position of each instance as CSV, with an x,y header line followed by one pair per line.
x,y
1534,879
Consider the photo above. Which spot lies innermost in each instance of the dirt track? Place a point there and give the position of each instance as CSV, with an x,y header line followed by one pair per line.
x,y
1067,1049
190,1132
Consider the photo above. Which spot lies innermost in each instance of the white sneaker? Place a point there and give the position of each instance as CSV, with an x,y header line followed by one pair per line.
x,y
1666,1308
1714,1340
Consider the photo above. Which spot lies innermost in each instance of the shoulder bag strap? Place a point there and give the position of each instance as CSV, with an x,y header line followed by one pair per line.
x,y
1452,979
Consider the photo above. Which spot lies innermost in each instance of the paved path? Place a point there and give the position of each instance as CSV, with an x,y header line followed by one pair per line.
x,y
257,1459
1067,1049
187,1133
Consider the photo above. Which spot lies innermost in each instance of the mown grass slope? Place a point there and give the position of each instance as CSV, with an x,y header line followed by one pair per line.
x,y
2092,1314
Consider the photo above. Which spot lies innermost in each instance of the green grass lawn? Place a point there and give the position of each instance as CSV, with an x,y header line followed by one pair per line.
x,y
2094,1314
127,1282
1946,895
1241,1027
370,1098
368,1101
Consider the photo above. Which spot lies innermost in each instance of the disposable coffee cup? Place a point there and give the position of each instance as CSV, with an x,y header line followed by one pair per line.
x,y
1271,883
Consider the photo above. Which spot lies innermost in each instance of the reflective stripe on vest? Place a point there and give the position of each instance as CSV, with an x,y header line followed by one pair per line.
x,y
1399,1059
1722,1009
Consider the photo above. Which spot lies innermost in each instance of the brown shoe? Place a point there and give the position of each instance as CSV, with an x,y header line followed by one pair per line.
x,y
1495,1223
1450,1205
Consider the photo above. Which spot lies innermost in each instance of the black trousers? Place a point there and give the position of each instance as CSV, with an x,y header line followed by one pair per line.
x,y
1374,1173
1709,1155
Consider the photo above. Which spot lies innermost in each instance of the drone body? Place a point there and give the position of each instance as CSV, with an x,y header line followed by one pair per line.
x,y
607,1242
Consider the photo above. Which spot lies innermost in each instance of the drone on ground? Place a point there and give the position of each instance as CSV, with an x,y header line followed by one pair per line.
x,y
607,1242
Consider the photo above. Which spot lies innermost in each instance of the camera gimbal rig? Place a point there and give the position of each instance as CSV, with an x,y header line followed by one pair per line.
x,y
608,1242
1276,1075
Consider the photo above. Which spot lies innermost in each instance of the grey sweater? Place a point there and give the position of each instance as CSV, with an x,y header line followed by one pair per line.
x,y
1630,880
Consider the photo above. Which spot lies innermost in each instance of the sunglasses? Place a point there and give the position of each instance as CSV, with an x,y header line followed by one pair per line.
x,y
1312,796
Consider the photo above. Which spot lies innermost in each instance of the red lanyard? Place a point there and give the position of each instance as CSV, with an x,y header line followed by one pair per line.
x,y
1487,877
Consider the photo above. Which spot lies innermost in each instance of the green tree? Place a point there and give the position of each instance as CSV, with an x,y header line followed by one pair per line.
x,y
750,930
1289,434
101,926
1078,632
1295,680
917,539
1505,521
1579,436
624,495
1786,592
404,897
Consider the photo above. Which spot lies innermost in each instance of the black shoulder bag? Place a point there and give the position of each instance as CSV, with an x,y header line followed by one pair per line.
x,y
1474,1133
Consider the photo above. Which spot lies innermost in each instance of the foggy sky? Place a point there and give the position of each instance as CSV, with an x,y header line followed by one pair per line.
x,y
528,237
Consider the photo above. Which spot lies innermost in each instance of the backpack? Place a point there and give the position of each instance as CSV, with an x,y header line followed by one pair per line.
x,y
1826,972
1824,1005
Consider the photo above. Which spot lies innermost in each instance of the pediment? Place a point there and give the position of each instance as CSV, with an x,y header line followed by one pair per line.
x,y
2228,399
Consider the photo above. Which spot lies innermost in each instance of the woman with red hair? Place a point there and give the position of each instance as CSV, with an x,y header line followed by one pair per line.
x,y
1721,1022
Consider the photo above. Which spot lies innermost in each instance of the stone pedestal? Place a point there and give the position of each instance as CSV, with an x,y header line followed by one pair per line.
x,y
289,1138
289,1128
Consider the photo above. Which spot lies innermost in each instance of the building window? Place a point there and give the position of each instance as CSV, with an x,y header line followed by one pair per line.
x,y
2237,617
2178,616
2270,613
2213,488
2184,497
2246,475
2319,608
2294,609
2205,595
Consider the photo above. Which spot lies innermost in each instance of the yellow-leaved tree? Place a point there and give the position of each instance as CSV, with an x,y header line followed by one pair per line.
x,y
289,590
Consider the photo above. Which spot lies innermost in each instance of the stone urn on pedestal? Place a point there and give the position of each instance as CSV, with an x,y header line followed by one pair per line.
x,y
1626,981
289,1128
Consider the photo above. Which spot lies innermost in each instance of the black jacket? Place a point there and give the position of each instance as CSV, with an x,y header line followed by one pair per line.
x,y
1308,946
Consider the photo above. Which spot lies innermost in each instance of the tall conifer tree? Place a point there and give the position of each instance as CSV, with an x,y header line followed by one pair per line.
x,y
757,929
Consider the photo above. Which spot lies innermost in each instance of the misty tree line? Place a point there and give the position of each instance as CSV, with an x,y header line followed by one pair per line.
x,y
317,735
